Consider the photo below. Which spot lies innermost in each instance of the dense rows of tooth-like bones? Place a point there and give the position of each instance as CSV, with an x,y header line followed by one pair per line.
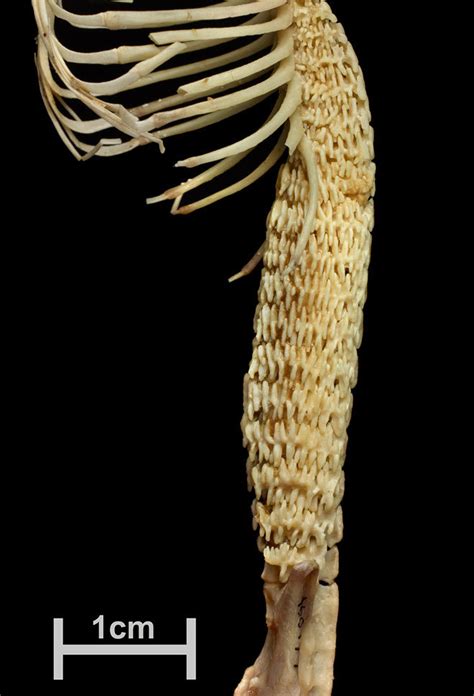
x,y
308,324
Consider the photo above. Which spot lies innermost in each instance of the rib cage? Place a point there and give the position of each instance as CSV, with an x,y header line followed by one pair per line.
x,y
217,91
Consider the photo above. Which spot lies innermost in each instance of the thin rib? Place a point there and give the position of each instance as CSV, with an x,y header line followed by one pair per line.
x,y
290,103
282,21
118,20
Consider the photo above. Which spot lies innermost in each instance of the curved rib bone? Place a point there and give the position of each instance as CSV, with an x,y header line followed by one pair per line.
x,y
282,49
282,21
290,103
281,76
147,20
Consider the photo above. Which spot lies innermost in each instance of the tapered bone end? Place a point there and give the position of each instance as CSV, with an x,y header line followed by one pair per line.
x,y
297,658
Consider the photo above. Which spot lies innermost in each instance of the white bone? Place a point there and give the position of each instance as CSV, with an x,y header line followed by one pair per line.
x,y
281,76
290,103
248,180
195,105
118,20
207,120
139,70
283,49
281,21
211,172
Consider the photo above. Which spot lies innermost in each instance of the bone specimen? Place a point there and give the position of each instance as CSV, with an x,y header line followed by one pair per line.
x,y
308,322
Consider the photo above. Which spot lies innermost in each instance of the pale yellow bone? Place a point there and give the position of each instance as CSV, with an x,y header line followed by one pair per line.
x,y
209,174
207,120
156,18
281,21
246,181
137,72
308,322
289,104
283,49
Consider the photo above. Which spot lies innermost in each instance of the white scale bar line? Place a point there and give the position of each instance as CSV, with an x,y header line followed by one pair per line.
x,y
189,649
124,650
58,648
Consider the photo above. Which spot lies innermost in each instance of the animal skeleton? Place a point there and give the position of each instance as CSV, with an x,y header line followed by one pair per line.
x,y
308,323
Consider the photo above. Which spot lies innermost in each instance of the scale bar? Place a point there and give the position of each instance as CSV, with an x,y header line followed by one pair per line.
x,y
124,649
189,649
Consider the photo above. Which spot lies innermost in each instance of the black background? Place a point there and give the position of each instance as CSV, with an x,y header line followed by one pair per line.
x,y
125,353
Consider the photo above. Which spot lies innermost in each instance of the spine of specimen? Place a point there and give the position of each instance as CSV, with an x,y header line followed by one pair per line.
x,y
297,392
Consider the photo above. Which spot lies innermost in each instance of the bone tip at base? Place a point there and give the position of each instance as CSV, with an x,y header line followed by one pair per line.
x,y
156,199
190,162
236,276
